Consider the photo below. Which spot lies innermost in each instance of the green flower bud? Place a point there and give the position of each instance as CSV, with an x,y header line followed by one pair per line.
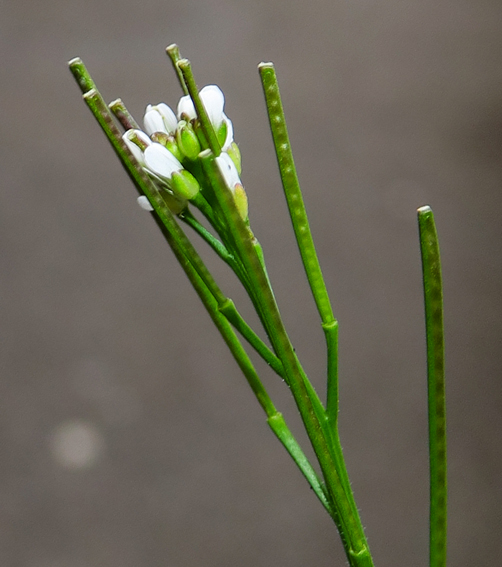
x,y
184,184
187,140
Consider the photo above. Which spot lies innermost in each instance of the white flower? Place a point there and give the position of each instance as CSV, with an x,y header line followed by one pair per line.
x,y
214,102
152,156
160,161
164,168
160,118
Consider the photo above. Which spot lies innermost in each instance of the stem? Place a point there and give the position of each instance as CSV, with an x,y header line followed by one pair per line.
x,y
228,308
274,418
433,299
123,115
231,313
301,228
207,128
173,52
220,249
310,261
346,516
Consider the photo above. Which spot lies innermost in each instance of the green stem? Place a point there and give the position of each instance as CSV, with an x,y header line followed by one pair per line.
x,y
433,299
173,53
233,260
207,128
301,229
274,418
231,313
123,115
279,427
220,249
309,257
348,522
228,307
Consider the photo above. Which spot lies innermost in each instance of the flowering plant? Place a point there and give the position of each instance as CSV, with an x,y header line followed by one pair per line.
x,y
189,160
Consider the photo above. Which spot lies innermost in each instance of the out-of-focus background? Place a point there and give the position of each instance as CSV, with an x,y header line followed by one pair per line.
x,y
128,437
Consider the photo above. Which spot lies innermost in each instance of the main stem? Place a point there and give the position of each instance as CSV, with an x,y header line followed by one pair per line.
x,y
346,515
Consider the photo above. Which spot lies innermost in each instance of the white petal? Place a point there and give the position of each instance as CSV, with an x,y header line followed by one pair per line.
x,y
169,117
154,122
136,151
144,203
185,106
230,133
161,161
214,101
228,170
160,118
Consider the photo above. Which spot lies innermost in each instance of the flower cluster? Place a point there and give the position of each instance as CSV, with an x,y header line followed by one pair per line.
x,y
169,146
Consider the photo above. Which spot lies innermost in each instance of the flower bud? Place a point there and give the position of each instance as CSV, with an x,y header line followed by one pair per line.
x,y
187,140
200,135
184,184
176,205
161,163
159,118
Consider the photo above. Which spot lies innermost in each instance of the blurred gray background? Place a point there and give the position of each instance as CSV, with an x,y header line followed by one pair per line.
x,y
128,437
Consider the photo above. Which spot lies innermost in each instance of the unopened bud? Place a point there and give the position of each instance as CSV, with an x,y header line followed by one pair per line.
x,y
184,184
160,138
159,118
187,140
